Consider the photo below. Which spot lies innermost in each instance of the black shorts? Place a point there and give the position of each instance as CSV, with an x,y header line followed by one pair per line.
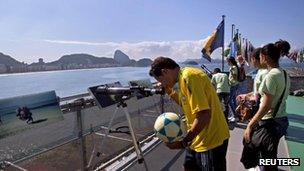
x,y
214,159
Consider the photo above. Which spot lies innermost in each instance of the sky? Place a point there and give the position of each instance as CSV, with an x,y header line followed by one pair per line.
x,y
49,29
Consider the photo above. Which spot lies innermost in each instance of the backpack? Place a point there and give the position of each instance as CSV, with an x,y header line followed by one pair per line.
x,y
241,74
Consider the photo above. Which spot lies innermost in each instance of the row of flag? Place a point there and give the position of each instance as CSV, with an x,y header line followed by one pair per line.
x,y
239,46
236,47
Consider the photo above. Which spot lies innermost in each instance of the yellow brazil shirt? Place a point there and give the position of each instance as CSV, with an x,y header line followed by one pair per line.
x,y
196,93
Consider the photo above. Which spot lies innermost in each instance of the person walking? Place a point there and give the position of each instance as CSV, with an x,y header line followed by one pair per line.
x,y
234,84
221,84
259,77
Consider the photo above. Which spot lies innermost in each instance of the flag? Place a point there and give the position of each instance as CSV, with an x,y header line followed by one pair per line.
x,y
301,56
294,55
227,51
214,41
246,50
250,49
233,49
239,43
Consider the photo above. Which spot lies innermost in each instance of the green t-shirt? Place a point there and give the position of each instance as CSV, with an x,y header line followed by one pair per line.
x,y
233,71
258,80
274,84
221,82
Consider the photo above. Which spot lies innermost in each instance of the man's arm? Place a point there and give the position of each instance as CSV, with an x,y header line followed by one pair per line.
x,y
202,119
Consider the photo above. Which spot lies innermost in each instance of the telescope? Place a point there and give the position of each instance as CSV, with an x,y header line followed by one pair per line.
x,y
126,91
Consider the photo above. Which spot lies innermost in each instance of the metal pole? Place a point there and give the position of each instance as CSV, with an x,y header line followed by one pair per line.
x,y
13,165
240,39
223,43
232,32
237,32
162,105
78,104
137,147
94,147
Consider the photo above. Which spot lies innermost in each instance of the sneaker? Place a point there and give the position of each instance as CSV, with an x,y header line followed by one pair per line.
x,y
257,168
232,119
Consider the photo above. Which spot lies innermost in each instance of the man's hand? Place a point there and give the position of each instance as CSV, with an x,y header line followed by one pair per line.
x,y
175,145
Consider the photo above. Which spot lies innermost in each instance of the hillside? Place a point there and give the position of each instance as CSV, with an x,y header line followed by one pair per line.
x,y
7,60
82,59
73,61
144,62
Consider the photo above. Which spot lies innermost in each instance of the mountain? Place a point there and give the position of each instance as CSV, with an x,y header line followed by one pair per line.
x,y
190,62
201,60
73,61
7,60
122,58
82,59
144,62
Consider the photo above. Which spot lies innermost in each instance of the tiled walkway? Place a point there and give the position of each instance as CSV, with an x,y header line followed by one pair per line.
x,y
295,132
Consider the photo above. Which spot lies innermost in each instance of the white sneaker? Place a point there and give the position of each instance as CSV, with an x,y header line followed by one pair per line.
x,y
257,168
232,119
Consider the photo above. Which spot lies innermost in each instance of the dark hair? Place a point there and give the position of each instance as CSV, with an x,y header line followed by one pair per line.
x,y
217,70
271,51
162,63
232,60
283,47
256,53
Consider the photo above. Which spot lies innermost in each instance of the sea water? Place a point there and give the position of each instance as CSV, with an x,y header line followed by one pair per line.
x,y
73,82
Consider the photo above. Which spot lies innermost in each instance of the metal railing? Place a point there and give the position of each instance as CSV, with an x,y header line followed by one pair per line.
x,y
74,105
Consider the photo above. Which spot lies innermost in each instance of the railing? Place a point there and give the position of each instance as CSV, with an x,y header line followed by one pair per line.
x,y
85,111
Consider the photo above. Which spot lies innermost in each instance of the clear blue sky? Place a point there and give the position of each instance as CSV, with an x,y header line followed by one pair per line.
x,y
31,29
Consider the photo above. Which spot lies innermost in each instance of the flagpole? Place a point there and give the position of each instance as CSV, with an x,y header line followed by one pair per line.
x,y
232,32
223,18
240,38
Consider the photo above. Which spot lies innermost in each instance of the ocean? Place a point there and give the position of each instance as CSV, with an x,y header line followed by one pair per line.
x,y
72,82
66,82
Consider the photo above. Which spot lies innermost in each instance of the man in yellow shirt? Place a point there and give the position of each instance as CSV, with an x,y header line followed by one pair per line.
x,y
208,133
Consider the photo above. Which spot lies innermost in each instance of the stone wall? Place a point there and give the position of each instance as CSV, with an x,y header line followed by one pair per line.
x,y
297,82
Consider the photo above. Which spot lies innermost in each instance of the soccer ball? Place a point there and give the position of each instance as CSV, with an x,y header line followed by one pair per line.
x,y
169,127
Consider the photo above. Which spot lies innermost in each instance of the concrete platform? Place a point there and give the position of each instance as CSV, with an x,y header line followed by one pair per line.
x,y
162,158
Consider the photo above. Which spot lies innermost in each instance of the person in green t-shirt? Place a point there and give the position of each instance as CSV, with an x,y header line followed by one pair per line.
x,y
262,71
234,84
221,84
207,135
269,124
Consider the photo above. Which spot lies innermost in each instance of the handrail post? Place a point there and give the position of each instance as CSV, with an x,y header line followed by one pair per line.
x,y
162,104
79,103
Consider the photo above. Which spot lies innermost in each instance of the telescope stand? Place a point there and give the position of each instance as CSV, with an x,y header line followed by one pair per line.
x,y
139,154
